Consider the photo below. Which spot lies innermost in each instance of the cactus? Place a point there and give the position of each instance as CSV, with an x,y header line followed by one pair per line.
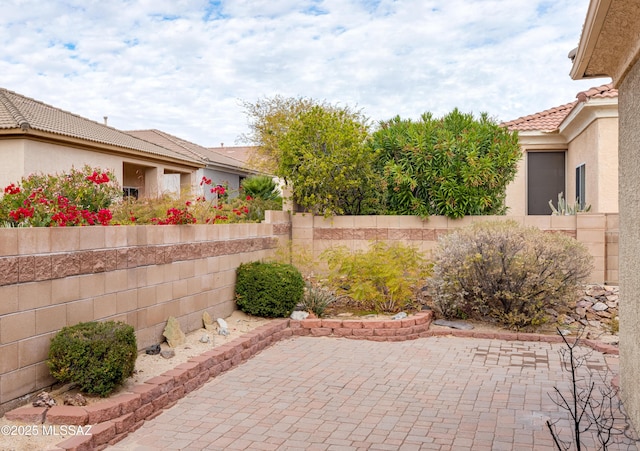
x,y
564,208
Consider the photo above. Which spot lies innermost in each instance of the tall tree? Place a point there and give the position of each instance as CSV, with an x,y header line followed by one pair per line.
x,y
454,166
320,150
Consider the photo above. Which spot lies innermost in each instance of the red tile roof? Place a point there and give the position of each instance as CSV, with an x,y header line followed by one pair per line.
x,y
549,120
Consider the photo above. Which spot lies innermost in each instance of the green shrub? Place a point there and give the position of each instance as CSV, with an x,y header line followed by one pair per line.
x,y
269,290
508,273
383,279
261,187
96,356
317,299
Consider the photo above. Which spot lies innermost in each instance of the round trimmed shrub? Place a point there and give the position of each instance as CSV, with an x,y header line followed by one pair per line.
x,y
507,273
269,290
98,356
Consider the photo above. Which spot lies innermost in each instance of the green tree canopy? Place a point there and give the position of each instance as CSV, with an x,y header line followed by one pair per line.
x,y
454,166
320,150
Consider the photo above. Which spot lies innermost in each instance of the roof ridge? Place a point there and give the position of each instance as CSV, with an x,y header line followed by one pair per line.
x,y
15,112
179,142
544,113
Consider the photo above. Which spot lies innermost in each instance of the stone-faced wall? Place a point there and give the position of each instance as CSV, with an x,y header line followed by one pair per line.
x,y
315,234
54,277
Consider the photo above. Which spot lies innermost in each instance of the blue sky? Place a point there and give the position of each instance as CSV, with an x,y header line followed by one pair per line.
x,y
186,66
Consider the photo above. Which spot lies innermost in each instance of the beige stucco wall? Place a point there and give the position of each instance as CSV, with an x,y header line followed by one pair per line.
x,y
629,168
597,148
21,157
12,157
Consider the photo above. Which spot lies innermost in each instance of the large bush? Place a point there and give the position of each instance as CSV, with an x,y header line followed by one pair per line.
x,y
385,278
269,290
506,272
73,198
454,166
96,356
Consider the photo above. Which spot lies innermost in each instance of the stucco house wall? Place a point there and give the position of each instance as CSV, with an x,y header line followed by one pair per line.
x,y
630,242
586,130
610,47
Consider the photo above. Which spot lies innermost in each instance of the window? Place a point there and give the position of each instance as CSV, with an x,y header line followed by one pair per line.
x,y
581,196
128,191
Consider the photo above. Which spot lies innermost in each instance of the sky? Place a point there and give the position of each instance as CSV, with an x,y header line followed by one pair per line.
x,y
186,67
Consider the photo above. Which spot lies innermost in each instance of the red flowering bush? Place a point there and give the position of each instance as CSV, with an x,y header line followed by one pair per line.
x,y
76,198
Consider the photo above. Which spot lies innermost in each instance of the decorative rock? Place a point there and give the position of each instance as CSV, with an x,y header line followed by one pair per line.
x,y
299,316
153,350
208,321
173,333
599,306
223,328
76,400
604,314
205,338
565,332
584,303
44,399
400,315
168,353
581,312
453,324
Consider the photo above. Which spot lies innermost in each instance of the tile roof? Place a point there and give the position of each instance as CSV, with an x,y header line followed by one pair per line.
x,y
187,148
241,153
549,120
22,114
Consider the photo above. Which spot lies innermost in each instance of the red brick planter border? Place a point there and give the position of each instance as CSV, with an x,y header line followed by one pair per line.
x,y
113,419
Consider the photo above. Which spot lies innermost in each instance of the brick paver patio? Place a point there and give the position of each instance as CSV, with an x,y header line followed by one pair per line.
x,y
440,393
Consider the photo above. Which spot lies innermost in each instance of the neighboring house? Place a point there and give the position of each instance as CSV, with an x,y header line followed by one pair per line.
x,y
39,138
570,149
220,168
610,47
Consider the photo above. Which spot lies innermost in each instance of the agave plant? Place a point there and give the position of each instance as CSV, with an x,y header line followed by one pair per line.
x,y
564,208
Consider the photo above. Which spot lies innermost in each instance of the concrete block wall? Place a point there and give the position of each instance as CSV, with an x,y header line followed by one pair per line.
x,y
54,277
314,234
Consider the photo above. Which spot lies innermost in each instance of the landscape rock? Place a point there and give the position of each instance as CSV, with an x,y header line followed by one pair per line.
x,y
173,333
208,322
453,324
298,315
153,350
167,353
599,307
44,399
205,338
76,400
223,328
400,315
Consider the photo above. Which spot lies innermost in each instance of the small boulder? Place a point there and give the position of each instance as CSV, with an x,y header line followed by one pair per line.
x,y
400,315
208,321
223,328
599,307
153,349
173,333
76,400
298,315
44,399
167,353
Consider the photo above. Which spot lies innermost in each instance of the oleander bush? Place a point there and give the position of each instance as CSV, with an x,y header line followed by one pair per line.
x,y
269,290
385,278
98,356
507,273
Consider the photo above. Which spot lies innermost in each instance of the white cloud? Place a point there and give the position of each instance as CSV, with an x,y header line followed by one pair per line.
x,y
184,66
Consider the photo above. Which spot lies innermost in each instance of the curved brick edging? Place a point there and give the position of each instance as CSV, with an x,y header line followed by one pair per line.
x,y
114,418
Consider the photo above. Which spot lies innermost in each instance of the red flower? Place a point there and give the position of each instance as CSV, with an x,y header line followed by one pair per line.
x,y
98,178
249,198
12,189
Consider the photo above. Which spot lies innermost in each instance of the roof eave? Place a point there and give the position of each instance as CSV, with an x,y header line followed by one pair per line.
x,y
596,15
56,138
